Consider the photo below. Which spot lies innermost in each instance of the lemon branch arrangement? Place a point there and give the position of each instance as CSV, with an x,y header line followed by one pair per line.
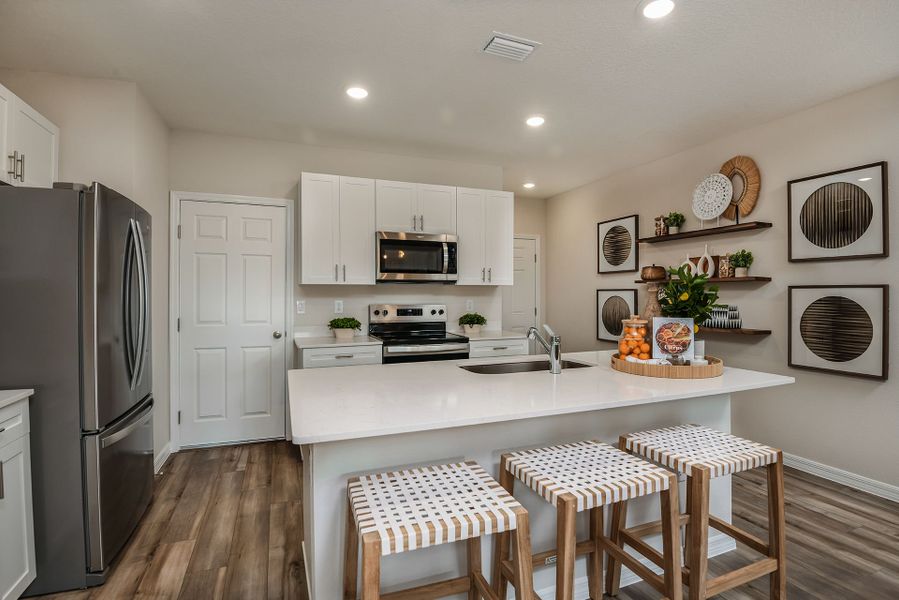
x,y
688,296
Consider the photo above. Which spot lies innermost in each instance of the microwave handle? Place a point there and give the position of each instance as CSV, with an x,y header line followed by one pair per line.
x,y
445,257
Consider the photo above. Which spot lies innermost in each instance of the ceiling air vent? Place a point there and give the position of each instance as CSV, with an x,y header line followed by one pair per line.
x,y
511,47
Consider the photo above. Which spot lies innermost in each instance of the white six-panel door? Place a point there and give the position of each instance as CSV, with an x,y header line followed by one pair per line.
x,y
232,338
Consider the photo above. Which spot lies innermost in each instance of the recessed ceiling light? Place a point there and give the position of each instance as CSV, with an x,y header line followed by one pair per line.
x,y
529,185
866,179
357,93
535,121
656,9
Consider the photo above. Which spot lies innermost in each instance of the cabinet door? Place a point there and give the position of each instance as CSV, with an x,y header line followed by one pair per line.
x,y
37,141
17,569
499,235
395,204
5,148
357,231
319,228
436,208
470,257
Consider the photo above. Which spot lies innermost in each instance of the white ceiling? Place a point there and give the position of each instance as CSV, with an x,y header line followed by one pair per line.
x,y
616,89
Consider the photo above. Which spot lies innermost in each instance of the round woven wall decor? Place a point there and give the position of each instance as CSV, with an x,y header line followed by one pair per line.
x,y
746,168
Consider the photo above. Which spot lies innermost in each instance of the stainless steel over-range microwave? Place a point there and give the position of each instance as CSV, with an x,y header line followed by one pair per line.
x,y
417,257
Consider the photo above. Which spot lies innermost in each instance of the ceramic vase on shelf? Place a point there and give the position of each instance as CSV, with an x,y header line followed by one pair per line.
x,y
344,335
472,329
674,229
741,271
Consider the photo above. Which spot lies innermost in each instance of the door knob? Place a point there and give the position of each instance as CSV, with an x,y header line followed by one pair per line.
x,y
276,335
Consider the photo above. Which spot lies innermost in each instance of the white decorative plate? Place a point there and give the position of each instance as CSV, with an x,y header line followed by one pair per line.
x,y
712,196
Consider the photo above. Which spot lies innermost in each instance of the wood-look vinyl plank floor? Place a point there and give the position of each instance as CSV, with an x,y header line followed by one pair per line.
x,y
226,523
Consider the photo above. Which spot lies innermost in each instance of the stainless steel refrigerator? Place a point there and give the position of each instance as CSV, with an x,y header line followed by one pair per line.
x,y
75,326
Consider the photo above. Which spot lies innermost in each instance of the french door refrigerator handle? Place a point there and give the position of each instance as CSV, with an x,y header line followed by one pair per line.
x,y
126,303
144,315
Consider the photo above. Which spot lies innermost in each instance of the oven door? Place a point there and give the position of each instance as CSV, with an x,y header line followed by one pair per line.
x,y
416,257
424,352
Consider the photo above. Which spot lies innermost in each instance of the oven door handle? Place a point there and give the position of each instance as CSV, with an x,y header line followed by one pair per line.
x,y
426,349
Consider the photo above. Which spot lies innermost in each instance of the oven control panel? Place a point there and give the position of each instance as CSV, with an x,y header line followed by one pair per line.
x,y
406,313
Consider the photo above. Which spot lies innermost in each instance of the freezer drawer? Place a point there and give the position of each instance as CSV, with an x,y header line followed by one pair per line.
x,y
118,483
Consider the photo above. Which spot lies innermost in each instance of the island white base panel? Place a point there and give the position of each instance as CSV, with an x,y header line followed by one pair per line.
x,y
328,466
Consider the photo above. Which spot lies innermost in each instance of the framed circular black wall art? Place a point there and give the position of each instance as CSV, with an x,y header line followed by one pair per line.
x,y
612,306
616,245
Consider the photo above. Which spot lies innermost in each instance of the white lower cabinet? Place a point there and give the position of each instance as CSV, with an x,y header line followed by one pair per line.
x,y
488,348
17,562
341,356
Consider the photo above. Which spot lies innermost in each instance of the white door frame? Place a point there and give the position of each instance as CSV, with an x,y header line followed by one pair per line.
x,y
538,273
175,199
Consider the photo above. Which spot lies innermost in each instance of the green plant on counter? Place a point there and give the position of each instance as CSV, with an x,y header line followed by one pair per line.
x,y
472,319
345,323
688,296
741,258
674,219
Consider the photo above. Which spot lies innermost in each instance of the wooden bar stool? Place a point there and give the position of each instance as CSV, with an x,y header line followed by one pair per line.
x,y
703,454
589,476
402,511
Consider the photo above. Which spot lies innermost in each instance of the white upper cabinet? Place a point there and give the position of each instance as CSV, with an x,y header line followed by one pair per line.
x,y
396,206
486,236
337,230
30,143
418,207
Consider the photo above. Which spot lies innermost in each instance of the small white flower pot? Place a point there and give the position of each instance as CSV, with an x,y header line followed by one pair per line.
x,y
741,271
673,229
472,329
344,335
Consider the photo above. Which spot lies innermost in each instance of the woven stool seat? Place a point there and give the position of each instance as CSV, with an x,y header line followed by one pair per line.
x,y
438,504
595,473
685,446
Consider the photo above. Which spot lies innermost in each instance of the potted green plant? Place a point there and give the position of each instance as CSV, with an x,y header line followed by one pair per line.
x,y
741,261
674,220
472,322
344,328
688,296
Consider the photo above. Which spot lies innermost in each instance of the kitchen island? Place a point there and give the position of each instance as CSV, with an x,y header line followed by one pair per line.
x,y
362,419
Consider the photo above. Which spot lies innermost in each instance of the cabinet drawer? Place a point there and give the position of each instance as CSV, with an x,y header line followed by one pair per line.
x,y
482,348
13,422
343,356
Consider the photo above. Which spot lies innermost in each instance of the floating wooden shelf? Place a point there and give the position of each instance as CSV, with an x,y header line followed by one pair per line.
x,y
734,331
721,280
684,235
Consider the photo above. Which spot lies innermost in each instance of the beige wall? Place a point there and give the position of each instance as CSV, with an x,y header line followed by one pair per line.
x,y
110,133
839,421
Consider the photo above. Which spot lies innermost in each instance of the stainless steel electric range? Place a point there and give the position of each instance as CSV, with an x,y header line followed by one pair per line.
x,y
415,332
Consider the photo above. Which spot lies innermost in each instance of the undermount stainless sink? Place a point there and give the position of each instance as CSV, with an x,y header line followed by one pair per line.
x,y
521,367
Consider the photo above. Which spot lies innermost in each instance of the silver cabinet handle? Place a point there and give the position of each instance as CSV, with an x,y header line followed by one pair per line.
x,y
14,160
343,356
421,222
22,169
344,273
1,481
335,272
276,335
490,274
484,274
500,347
414,223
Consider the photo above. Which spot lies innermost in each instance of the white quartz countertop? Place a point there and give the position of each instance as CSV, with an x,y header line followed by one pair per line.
x,y
332,342
374,400
8,397
492,336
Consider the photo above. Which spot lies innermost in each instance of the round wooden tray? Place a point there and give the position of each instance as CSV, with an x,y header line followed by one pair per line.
x,y
715,368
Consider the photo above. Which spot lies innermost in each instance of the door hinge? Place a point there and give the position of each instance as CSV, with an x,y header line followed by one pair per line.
x,y
535,311
178,324
179,417
535,258
179,232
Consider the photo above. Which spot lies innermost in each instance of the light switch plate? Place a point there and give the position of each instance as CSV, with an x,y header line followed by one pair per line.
x,y
338,307
469,305
301,307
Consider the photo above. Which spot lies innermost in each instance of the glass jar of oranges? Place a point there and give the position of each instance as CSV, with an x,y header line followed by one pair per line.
x,y
635,339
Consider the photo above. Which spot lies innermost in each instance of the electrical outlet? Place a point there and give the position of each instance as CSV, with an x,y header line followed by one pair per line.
x,y
469,305
338,307
301,307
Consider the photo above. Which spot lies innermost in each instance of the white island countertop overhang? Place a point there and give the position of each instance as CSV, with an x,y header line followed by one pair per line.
x,y
357,402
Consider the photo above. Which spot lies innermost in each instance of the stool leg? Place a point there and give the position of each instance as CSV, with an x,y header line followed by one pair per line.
x,y
371,566
474,566
524,568
501,543
566,511
777,541
699,531
687,537
613,566
670,505
594,559
351,556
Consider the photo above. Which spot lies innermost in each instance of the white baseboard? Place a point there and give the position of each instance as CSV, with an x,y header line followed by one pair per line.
x,y
163,456
858,482
718,544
